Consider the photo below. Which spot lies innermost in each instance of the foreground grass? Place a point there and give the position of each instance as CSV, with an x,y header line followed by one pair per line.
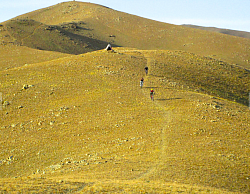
x,y
84,125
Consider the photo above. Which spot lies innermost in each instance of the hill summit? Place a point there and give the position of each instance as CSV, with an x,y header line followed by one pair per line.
x,y
76,27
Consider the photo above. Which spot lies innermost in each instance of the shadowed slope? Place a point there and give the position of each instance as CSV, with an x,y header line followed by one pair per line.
x,y
202,74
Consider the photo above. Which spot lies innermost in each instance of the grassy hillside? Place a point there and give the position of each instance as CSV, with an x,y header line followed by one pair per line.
x,y
75,120
16,56
83,124
78,27
202,74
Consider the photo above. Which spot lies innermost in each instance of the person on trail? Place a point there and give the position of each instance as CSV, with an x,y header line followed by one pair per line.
x,y
141,82
146,70
152,94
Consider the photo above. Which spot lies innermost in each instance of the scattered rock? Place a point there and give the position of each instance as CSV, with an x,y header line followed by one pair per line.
x,y
19,107
216,107
64,108
11,158
40,123
52,122
6,103
55,167
25,87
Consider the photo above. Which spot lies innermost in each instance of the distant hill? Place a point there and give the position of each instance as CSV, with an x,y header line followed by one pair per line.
x,y
242,34
77,27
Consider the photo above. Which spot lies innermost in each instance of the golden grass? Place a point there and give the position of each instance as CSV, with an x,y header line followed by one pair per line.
x,y
86,126
14,56
202,74
82,124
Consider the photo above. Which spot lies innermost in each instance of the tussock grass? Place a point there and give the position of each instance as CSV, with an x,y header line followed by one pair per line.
x,y
85,116
203,74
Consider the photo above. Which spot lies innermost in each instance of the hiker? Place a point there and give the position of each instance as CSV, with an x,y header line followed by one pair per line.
x,y
109,48
152,94
141,82
146,70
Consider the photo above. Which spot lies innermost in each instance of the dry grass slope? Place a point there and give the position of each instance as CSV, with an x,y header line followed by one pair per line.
x,y
16,56
82,124
203,74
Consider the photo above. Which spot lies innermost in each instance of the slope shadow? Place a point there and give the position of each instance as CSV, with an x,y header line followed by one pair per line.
x,y
163,99
93,44
61,39
151,87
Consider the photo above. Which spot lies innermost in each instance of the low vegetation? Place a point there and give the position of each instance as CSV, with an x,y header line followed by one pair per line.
x,y
203,74
75,119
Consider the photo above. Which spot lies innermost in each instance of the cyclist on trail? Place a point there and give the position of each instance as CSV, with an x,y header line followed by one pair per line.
x,y
146,70
141,82
152,94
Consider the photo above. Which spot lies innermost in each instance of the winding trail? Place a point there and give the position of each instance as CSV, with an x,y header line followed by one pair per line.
x,y
22,39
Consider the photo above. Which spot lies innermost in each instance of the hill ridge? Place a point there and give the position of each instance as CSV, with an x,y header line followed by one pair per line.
x,y
82,27
243,34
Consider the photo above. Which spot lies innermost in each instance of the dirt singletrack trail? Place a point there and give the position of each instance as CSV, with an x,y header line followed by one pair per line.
x,y
22,39
190,129
151,81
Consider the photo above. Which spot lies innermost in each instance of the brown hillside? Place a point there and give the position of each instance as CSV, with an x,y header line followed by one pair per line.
x,y
15,56
75,120
82,124
78,27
